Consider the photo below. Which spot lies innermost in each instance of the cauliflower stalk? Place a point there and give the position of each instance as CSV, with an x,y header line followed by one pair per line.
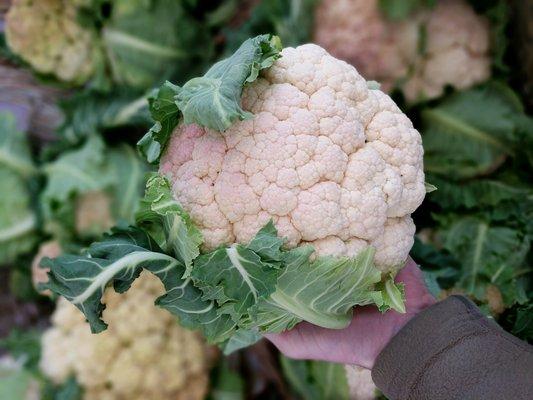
x,y
448,45
146,357
284,194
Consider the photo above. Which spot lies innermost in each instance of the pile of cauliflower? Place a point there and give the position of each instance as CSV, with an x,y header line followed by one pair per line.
x,y
144,354
47,35
446,45
333,162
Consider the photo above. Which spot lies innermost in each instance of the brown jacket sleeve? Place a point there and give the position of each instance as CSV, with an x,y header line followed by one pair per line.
x,y
452,351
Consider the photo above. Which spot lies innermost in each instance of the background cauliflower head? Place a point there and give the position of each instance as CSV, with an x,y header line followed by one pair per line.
x,y
447,45
93,213
144,354
47,35
333,162
360,382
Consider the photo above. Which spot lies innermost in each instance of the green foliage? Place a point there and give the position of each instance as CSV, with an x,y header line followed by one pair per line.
x,y
477,152
69,390
291,20
146,42
489,254
90,112
16,384
459,144
18,221
523,323
230,293
400,10
24,346
168,223
213,100
316,380
92,168
73,173
128,176
498,12
226,384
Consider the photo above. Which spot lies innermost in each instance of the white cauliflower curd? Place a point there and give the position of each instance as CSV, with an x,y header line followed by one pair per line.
x,y
360,382
47,35
447,45
144,354
334,162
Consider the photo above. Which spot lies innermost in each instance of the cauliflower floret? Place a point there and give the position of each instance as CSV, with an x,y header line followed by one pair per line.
x,y
332,162
360,383
46,34
456,49
93,213
144,354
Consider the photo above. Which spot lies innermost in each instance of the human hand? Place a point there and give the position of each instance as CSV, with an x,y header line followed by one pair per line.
x,y
368,333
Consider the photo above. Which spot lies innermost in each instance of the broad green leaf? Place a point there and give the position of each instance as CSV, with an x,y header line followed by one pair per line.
x,y
242,338
241,275
316,380
488,255
214,99
266,243
186,302
117,260
18,221
478,193
459,144
14,150
128,172
168,223
299,377
147,42
166,115
77,171
74,173
331,379
324,291
91,112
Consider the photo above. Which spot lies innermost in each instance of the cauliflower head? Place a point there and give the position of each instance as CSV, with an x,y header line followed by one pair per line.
x,y
47,35
330,160
360,382
146,357
93,213
50,249
454,50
